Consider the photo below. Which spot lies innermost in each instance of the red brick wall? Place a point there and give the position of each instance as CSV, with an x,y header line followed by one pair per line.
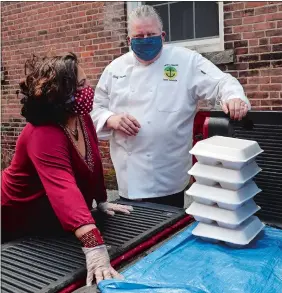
x,y
96,32
254,31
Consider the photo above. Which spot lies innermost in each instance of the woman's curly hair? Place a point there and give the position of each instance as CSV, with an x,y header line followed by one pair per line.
x,y
49,84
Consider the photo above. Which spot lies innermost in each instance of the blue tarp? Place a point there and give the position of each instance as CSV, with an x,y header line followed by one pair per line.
x,y
188,264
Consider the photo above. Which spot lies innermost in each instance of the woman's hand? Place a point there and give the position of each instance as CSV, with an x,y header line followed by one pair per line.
x,y
97,257
98,265
111,208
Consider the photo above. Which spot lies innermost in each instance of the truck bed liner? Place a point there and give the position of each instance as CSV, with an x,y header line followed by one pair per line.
x,y
38,264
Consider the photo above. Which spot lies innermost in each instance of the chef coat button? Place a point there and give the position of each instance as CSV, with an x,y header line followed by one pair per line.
x,y
149,122
129,153
132,90
148,155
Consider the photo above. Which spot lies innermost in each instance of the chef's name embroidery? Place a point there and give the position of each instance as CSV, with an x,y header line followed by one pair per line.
x,y
170,72
117,77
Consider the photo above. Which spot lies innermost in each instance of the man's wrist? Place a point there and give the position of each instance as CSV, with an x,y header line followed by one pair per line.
x,y
108,122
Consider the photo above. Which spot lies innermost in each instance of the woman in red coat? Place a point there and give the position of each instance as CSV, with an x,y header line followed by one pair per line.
x,y
56,171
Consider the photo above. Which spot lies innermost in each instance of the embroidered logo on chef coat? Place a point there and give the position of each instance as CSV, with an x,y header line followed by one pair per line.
x,y
170,72
117,77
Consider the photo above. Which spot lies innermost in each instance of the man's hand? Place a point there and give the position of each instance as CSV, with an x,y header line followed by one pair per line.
x,y
125,123
236,107
111,208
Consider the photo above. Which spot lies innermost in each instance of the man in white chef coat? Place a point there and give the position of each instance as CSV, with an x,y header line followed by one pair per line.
x,y
145,104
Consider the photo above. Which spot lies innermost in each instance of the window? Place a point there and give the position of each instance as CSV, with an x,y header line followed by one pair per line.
x,y
197,25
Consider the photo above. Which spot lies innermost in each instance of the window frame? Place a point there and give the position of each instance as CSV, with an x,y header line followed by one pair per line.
x,y
204,45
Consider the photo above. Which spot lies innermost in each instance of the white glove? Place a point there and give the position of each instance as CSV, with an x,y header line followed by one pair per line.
x,y
111,208
98,264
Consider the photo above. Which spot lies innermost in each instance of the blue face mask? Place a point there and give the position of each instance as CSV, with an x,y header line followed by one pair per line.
x,y
147,48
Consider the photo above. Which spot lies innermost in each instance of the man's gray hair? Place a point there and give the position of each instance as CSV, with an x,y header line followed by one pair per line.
x,y
143,12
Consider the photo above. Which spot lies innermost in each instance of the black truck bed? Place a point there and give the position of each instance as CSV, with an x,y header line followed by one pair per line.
x,y
40,264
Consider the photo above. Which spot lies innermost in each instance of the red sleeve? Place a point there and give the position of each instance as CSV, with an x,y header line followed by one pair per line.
x,y
48,150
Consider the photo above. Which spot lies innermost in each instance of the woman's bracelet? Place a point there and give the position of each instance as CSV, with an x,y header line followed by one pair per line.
x,y
91,238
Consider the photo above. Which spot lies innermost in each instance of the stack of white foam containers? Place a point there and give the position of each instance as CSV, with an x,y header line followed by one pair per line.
x,y
224,190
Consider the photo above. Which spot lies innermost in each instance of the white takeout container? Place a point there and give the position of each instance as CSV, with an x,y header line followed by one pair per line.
x,y
240,236
225,199
227,178
232,153
224,218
